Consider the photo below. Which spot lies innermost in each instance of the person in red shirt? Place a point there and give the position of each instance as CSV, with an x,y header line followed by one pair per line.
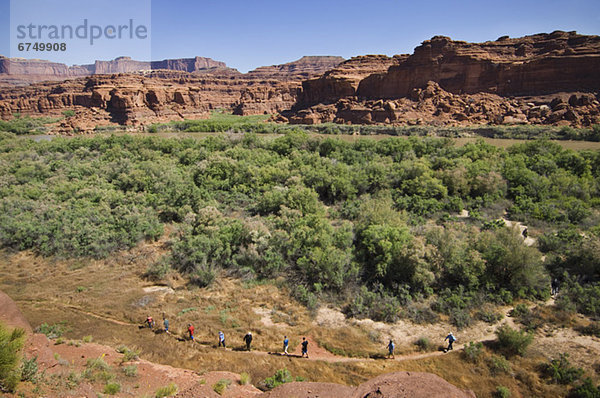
x,y
191,332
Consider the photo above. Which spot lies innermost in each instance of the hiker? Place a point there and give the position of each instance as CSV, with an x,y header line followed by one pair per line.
x,y
304,347
451,339
555,285
525,232
222,339
191,332
150,322
391,349
248,340
286,343
166,324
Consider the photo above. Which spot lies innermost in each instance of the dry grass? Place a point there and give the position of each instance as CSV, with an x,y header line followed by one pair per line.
x,y
113,304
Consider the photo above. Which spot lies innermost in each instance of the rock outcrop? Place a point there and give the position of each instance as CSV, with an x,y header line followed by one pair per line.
x,y
304,68
24,71
540,79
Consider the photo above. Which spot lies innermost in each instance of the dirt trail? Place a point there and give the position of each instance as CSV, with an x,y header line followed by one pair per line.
x,y
316,352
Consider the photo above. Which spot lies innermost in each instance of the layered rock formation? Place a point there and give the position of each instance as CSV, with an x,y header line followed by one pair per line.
x,y
543,79
23,71
305,67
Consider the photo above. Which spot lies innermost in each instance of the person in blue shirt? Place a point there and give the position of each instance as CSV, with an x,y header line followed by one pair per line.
x,y
286,343
166,324
221,339
451,339
391,349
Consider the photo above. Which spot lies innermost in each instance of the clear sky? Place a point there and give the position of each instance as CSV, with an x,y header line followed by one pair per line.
x,y
247,34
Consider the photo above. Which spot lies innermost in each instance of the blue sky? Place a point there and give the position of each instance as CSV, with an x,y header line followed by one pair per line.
x,y
247,34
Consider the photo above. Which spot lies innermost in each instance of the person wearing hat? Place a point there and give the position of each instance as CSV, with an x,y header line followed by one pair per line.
x,y
451,339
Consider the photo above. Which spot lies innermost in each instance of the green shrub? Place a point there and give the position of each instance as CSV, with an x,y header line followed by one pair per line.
x,y
87,339
460,318
166,391
52,331
473,351
280,377
498,364
29,369
220,386
561,371
112,388
68,113
502,392
520,310
424,344
130,370
586,389
489,316
11,343
513,342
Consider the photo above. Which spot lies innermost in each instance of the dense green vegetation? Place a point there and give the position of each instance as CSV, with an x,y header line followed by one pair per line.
x,y
372,225
27,124
220,122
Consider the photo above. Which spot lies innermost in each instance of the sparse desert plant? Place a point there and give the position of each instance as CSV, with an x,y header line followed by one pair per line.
x,y
220,386
130,370
112,388
520,310
593,329
68,113
460,318
244,378
29,369
513,342
52,331
11,343
166,391
87,339
128,353
473,351
561,371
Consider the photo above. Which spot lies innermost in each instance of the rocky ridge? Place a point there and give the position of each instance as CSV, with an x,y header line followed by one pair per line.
x,y
145,97
540,79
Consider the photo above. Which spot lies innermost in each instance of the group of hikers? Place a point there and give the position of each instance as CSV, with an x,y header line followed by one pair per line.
x,y
391,346
150,323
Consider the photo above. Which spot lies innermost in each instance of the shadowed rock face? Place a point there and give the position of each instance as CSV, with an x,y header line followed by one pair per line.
x,y
554,77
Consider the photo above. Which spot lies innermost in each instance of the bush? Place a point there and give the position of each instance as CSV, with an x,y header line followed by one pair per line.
x,y
29,369
280,377
498,364
424,344
502,392
586,389
130,370
593,329
166,391
473,351
561,371
220,386
460,318
11,343
520,310
68,113
51,331
513,342
112,388
489,316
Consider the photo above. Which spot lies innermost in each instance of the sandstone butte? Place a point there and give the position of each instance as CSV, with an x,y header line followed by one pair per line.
x,y
548,79
540,79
